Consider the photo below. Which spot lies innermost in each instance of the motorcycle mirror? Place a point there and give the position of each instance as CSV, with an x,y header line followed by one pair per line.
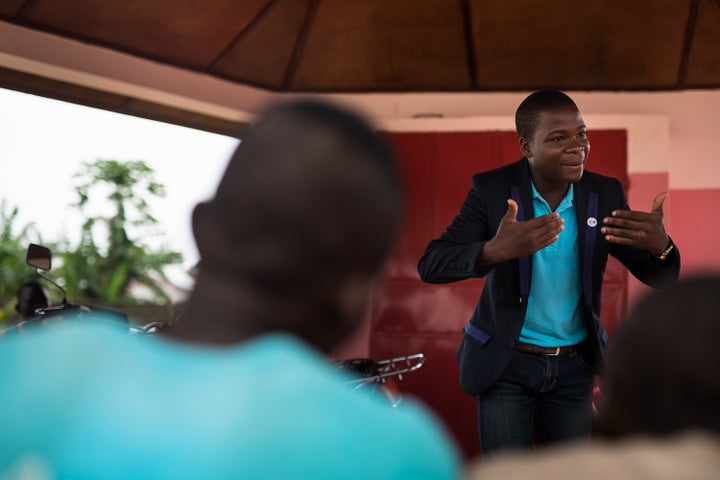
x,y
39,257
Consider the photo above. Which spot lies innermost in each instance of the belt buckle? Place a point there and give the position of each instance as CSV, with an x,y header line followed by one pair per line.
x,y
554,354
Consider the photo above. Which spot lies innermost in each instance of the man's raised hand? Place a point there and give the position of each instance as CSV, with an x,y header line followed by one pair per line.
x,y
515,239
643,230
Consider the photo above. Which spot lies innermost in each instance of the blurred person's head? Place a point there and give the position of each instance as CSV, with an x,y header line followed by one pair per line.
x,y
301,223
30,297
662,373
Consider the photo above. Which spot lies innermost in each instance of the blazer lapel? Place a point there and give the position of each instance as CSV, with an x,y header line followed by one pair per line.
x,y
521,192
522,181
586,208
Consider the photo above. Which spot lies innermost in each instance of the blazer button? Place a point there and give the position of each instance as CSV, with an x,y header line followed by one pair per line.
x,y
520,300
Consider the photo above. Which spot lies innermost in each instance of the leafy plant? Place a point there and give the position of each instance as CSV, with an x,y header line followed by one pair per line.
x,y
13,246
105,271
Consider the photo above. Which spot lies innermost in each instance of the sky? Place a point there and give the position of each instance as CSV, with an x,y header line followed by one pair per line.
x,y
44,142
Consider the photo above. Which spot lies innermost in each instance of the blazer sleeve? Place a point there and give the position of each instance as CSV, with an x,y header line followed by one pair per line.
x,y
453,256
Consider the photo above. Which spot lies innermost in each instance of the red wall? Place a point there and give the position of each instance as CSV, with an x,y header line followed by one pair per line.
x,y
696,229
409,316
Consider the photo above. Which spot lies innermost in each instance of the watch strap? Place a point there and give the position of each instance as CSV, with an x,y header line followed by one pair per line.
x,y
666,252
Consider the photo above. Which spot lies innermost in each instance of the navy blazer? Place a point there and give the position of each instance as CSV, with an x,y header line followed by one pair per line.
x,y
491,335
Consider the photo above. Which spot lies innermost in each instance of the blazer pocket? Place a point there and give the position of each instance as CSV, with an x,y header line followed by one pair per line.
x,y
480,336
472,357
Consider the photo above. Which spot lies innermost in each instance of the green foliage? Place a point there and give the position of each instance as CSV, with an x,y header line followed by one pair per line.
x,y
13,245
105,273
94,271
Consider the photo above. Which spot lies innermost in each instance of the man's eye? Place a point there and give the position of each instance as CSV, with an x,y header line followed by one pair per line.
x,y
557,139
582,134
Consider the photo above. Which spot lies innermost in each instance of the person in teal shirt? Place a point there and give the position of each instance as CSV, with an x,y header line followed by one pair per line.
x,y
240,386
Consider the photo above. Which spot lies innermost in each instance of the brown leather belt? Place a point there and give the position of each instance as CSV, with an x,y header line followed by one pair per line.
x,y
551,351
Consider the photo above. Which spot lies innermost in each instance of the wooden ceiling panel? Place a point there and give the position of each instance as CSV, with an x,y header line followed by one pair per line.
x,y
10,8
384,46
345,50
404,45
604,45
262,55
703,64
513,45
188,33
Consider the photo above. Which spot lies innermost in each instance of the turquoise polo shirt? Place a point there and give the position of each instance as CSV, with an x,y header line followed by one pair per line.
x,y
554,316
91,402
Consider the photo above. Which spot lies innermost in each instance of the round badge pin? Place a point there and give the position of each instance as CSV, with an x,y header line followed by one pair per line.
x,y
592,221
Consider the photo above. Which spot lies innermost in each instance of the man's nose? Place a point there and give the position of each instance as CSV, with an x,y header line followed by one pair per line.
x,y
579,144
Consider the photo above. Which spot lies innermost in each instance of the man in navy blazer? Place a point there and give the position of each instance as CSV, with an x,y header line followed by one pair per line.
x,y
540,230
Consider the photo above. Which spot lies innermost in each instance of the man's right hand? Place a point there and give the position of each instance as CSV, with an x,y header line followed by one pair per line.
x,y
515,239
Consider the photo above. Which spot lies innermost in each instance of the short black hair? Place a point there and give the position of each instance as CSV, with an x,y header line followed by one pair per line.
x,y
528,113
662,374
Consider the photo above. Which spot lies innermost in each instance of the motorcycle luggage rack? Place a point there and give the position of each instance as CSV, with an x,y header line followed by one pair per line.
x,y
377,372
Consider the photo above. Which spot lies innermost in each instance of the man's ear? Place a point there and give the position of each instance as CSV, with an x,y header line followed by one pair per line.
x,y
525,147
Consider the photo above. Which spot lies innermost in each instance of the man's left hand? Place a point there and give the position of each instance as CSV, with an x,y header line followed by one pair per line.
x,y
638,229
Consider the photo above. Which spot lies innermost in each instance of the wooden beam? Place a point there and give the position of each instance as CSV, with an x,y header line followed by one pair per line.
x,y
90,97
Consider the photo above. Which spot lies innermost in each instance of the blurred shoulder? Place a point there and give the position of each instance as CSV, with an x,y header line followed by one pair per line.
x,y
691,456
500,176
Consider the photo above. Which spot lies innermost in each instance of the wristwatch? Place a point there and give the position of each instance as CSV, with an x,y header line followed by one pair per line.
x,y
666,252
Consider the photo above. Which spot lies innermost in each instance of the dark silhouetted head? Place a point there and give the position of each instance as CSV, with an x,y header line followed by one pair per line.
x,y
662,373
304,215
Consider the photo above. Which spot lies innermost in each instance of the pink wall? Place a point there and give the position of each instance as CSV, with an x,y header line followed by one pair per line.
x,y
689,219
642,190
696,228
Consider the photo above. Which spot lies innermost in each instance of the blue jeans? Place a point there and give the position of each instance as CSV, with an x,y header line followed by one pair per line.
x,y
540,397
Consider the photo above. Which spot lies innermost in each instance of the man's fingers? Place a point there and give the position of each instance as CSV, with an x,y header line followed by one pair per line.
x,y
545,219
512,210
619,240
548,232
657,206
549,224
624,221
622,233
548,238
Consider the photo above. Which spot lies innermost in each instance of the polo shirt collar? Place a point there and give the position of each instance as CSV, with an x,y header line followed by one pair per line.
x,y
568,200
